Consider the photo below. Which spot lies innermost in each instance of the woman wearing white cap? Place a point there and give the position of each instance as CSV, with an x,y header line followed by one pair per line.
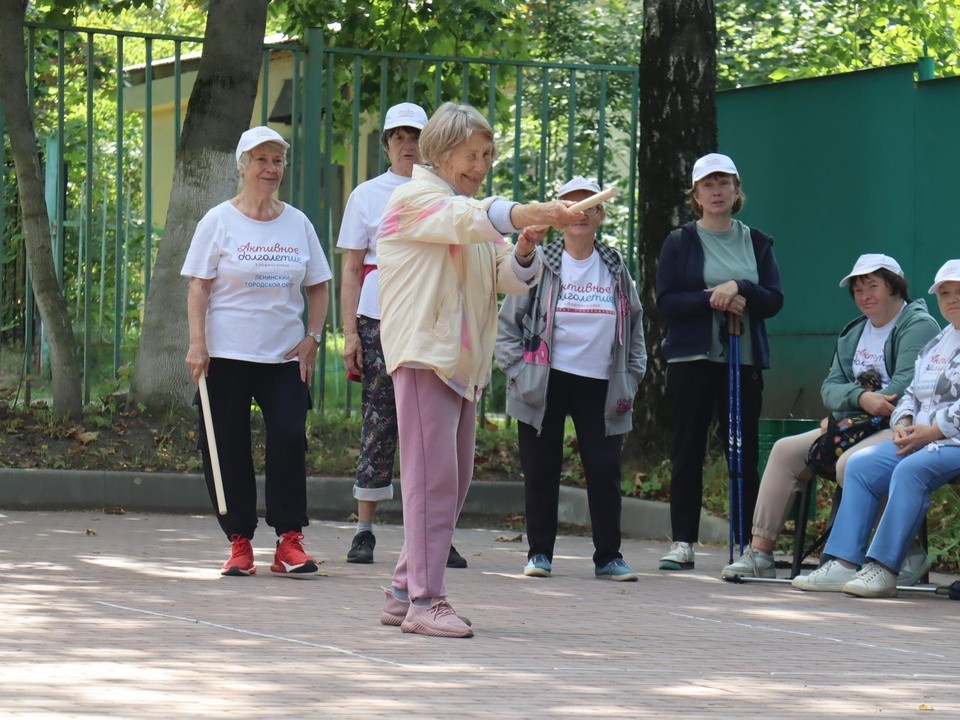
x,y
442,260
574,346
871,368
923,455
707,269
360,318
248,260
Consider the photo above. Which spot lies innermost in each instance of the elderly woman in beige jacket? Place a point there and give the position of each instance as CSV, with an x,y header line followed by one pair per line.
x,y
442,260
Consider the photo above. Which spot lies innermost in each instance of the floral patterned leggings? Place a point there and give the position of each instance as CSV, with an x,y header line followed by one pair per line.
x,y
378,436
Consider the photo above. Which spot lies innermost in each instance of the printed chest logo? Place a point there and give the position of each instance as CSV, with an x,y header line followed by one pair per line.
x,y
586,298
264,256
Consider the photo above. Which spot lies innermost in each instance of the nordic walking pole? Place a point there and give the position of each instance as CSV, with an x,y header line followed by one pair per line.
x,y
734,429
212,445
738,397
731,433
919,589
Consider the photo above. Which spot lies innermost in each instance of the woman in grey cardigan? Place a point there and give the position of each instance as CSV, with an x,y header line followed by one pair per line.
x,y
574,346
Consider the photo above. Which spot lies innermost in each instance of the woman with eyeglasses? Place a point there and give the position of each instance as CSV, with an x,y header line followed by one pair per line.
x,y
708,269
574,346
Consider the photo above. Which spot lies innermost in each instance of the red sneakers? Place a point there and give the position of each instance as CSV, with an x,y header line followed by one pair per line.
x,y
290,559
240,562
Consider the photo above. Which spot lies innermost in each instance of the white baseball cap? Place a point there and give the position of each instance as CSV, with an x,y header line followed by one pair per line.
x,y
871,262
258,136
578,182
405,115
713,163
949,271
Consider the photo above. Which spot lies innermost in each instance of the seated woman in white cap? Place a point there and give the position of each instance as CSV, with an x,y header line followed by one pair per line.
x,y
574,346
923,455
883,341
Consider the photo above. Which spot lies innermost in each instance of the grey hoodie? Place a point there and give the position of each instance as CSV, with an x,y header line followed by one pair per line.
x,y
525,334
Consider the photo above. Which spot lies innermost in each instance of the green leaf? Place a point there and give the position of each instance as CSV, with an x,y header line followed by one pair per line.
x,y
780,73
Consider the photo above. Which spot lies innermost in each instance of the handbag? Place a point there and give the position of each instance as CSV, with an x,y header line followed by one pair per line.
x,y
840,436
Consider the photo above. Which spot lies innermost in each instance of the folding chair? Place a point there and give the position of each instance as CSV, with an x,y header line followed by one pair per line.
x,y
800,551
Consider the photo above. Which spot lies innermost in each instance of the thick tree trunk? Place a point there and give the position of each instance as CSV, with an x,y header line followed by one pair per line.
x,y
678,123
205,174
67,395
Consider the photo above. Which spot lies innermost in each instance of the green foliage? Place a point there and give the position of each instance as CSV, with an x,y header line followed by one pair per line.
x,y
764,40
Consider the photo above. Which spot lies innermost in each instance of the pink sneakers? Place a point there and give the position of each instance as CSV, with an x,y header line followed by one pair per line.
x,y
437,620
290,559
394,610
240,562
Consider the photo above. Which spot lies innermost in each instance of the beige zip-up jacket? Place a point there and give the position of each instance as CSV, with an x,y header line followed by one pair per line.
x,y
441,264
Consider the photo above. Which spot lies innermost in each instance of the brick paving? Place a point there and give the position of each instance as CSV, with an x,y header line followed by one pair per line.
x,y
126,616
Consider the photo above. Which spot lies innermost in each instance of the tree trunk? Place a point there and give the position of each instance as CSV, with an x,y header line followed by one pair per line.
x,y
678,123
205,174
67,394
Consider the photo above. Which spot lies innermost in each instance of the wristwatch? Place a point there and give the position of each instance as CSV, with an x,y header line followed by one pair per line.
x,y
316,336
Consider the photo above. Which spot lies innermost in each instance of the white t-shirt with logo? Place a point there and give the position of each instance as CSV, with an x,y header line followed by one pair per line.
x,y
358,231
928,372
255,311
586,318
870,354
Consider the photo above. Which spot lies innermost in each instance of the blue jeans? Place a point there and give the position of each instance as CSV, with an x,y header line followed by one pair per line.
x,y
908,480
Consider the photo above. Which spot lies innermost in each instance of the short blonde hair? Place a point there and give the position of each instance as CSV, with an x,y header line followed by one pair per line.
x,y
244,158
450,126
737,204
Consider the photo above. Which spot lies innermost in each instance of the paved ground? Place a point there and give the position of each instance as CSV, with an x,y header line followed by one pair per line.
x,y
126,616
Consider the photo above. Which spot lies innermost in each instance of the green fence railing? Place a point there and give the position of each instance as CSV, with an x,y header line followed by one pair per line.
x,y
109,107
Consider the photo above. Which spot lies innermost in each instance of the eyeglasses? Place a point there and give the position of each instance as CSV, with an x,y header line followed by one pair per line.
x,y
591,211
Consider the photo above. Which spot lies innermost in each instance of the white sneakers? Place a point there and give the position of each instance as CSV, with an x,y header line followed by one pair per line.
x,y
872,581
830,577
915,565
680,557
752,563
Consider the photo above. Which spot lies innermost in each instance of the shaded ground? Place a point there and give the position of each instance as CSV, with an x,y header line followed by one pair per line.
x,y
127,616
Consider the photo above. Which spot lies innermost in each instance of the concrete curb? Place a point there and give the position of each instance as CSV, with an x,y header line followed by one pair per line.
x,y
327,498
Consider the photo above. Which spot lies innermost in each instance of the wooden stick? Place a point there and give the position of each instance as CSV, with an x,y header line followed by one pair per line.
x,y
586,203
212,445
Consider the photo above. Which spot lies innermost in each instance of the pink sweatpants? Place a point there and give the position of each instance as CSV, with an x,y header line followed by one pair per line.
x,y
438,432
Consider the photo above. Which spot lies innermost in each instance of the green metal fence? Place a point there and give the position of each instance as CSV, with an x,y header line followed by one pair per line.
x,y
109,106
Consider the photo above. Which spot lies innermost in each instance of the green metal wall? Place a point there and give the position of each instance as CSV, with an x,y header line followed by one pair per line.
x,y
832,168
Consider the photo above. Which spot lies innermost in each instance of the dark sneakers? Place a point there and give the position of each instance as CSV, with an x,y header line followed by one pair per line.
x,y
455,559
361,549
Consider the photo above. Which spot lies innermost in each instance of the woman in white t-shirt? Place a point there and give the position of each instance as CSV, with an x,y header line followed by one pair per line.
x,y
574,346
923,454
248,260
883,343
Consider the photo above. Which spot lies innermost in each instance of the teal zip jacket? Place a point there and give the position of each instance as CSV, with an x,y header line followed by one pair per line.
x,y
840,391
